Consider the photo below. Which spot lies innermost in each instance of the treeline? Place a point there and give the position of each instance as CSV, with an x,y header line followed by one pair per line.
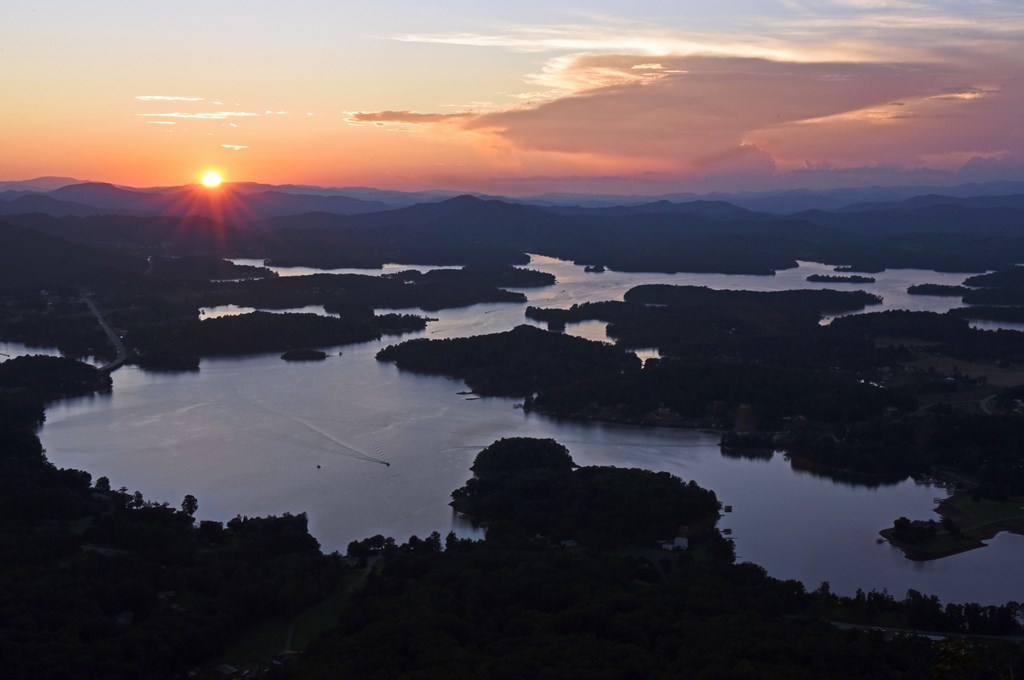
x,y
1004,287
50,378
817,301
832,278
157,311
921,612
982,446
700,324
519,605
269,332
172,337
990,313
950,335
203,268
938,289
432,290
524,488
709,394
488,610
515,363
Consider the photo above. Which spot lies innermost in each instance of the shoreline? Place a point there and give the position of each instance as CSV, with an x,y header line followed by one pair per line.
x,y
972,533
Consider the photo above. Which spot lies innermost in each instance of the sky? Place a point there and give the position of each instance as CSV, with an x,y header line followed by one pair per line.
x,y
516,98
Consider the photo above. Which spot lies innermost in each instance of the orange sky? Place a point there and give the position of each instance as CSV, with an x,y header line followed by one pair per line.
x,y
639,97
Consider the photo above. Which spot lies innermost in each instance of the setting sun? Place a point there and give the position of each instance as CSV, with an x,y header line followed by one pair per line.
x,y
211,178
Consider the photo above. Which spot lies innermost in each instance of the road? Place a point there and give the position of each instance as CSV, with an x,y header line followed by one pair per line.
x,y
115,339
928,634
370,563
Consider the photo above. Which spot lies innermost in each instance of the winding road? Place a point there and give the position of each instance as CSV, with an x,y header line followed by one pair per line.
x,y
115,339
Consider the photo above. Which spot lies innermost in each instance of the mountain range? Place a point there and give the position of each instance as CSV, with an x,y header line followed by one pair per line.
x,y
251,200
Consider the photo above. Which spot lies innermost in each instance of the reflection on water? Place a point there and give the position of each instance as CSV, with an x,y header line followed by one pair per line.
x,y
306,271
574,286
257,435
589,330
646,353
220,311
748,454
10,350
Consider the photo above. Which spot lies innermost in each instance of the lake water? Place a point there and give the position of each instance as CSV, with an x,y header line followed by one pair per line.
x,y
10,350
258,435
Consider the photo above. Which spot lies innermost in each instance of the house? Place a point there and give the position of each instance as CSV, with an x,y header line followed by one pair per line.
x,y
679,543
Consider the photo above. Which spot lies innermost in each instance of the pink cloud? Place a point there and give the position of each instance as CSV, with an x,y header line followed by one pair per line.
x,y
699,107
706,120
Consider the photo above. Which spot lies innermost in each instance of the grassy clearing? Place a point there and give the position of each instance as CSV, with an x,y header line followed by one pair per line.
x,y
322,616
943,544
265,640
977,521
985,514
997,376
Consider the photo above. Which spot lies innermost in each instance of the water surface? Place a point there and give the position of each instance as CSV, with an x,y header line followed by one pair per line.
x,y
258,435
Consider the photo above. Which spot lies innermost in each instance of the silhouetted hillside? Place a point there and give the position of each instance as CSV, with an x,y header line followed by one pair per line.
x,y
32,259
40,203
718,209
224,203
931,219
700,236
166,235
1014,201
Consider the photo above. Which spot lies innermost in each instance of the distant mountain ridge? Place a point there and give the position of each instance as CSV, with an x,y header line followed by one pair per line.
x,y
226,203
47,205
355,200
39,184
698,236
1014,201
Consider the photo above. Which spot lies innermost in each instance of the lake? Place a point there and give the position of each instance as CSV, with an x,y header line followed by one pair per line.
x,y
258,435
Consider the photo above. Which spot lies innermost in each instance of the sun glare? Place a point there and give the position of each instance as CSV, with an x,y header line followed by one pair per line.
x,y
211,178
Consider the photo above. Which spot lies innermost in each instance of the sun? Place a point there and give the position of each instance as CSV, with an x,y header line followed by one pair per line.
x,y
211,179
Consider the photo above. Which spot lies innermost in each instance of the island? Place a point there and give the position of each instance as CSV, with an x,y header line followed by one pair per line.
x,y
828,278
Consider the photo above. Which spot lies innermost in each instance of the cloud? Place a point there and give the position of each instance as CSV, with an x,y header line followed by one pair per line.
x,y
400,117
234,147
697,107
160,122
164,98
873,87
216,115
620,36
941,131
1008,166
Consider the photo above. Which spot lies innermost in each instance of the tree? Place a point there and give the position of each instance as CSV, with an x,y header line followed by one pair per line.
x,y
103,484
189,505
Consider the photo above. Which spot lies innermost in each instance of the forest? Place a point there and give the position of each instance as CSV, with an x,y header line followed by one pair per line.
x,y
96,581
571,580
520,603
